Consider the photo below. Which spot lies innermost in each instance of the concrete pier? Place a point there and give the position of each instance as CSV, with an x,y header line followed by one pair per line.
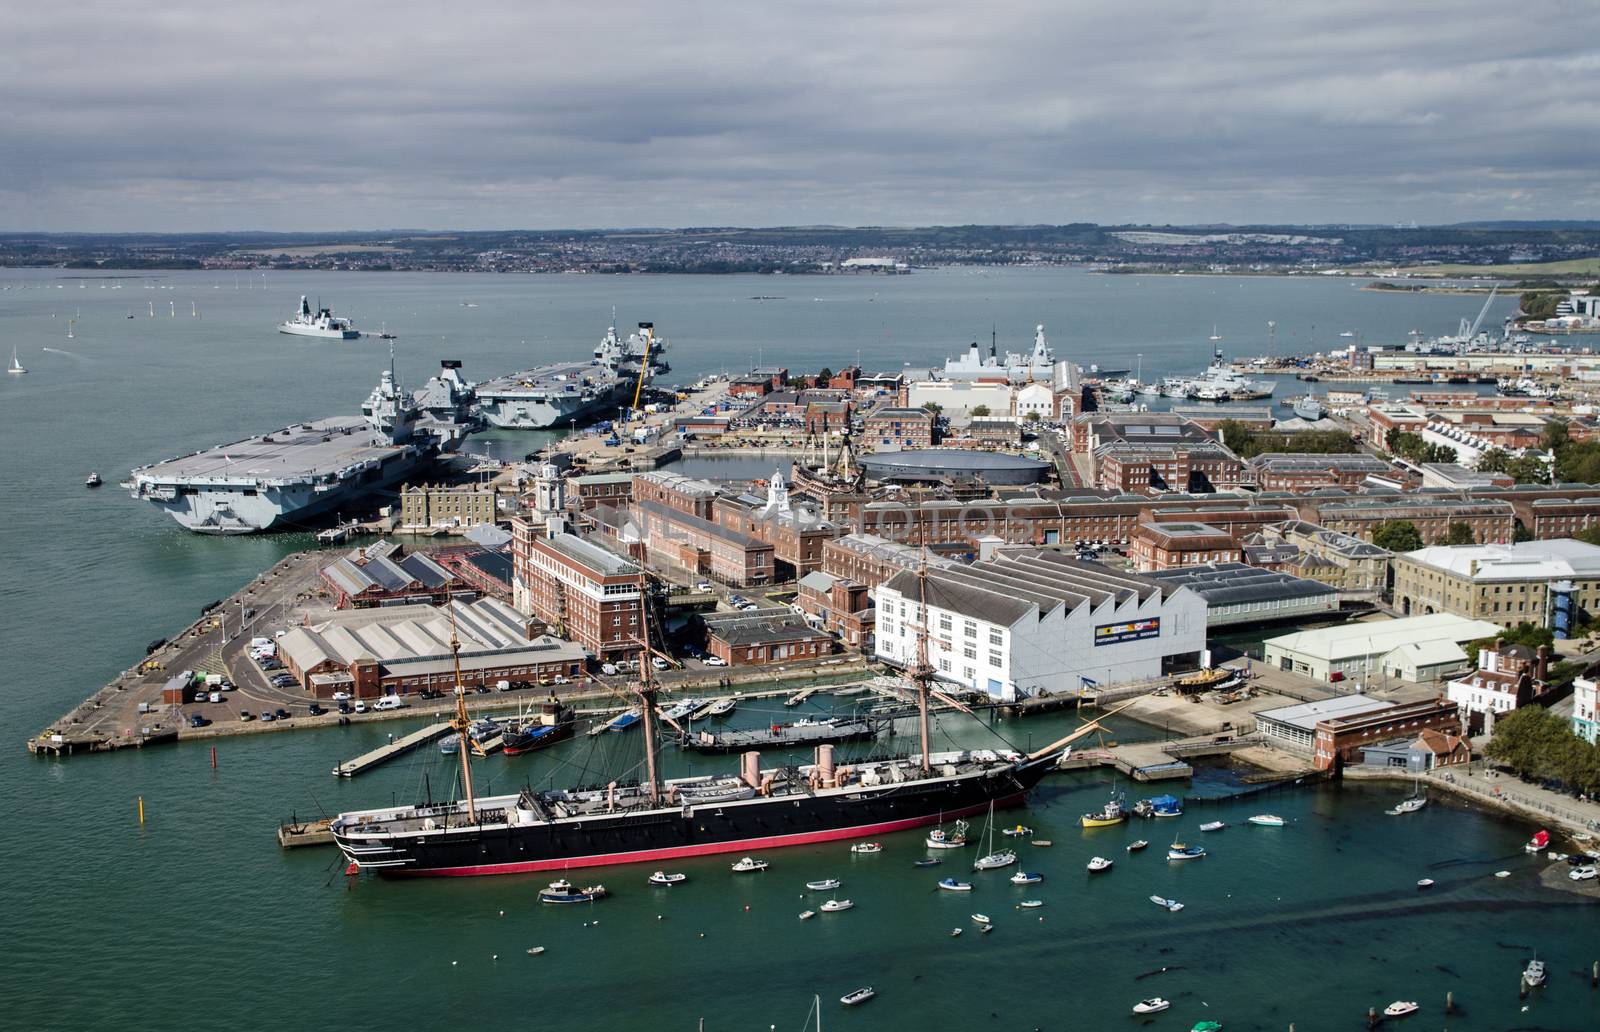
x,y
384,753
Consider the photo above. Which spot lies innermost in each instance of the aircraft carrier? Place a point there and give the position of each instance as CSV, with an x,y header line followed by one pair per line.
x,y
285,479
564,393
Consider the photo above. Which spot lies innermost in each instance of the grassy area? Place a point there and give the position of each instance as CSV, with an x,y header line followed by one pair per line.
x,y
1584,267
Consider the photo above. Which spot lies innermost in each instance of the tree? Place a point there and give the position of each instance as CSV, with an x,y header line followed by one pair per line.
x,y
1589,535
824,376
1531,635
1032,417
1521,533
1459,534
932,406
1536,743
1235,435
1495,460
980,410
1397,536
1528,469
1578,462
1554,436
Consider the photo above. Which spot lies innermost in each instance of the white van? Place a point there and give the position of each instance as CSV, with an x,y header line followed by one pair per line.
x,y
388,702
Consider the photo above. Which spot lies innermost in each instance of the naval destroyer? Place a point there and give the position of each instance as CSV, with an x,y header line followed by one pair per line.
x,y
320,323
564,393
283,479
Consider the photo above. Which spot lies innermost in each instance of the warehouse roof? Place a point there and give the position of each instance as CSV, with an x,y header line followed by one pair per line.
x,y
1021,583
1378,637
1227,584
354,576
1306,715
1527,560
761,628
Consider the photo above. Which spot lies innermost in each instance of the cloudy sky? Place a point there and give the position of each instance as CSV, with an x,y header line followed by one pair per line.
x,y
476,114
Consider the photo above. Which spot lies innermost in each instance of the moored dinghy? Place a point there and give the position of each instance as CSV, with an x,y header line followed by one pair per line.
x,y
1154,1005
1400,1008
867,847
834,906
825,885
1026,878
1099,863
749,864
951,885
1136,845
861,995
663,878
1267,820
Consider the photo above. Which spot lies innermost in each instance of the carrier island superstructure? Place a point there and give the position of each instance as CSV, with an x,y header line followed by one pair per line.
x,y
281,480
564,393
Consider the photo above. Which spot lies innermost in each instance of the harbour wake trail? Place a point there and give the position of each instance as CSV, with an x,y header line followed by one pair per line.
x,y
69,354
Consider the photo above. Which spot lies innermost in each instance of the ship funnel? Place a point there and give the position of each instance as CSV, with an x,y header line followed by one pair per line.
x,y
825,765
647,326
750,769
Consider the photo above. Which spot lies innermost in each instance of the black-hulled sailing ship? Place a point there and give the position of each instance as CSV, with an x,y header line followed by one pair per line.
x,y
652,820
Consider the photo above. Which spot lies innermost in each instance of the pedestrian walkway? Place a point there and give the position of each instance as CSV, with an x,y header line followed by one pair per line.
x,y
1576,815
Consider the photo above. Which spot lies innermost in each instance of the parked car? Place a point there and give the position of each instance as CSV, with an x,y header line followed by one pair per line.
x,y
561,679
246,716
345,707
315,710
657,662
266,715
361,706
340,696
704,585
196,720
1585,873
282,714
214,697
609,669
715,661
389,702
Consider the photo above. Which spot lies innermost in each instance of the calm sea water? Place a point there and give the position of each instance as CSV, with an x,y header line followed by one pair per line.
x,y
198,912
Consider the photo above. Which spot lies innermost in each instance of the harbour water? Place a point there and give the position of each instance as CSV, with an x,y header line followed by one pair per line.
x,y
197,911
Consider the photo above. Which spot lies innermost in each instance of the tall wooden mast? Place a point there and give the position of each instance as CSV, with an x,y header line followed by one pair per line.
x,y
922,670
647,694
462,722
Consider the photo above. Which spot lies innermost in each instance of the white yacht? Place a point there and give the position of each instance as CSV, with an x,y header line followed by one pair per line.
x,y
319,323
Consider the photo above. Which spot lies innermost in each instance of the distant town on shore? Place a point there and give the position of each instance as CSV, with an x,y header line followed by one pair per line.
x,y
1523,251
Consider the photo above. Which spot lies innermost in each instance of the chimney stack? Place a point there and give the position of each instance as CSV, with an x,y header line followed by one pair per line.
x,y
750,769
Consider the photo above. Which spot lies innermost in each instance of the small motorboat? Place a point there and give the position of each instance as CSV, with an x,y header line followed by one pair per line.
x,y
951,885
1042,843
1017,832
721,708
1165,806
1111,813
1031,904
825,885
1267,820
955,932
1538,842
1135,846
995,861
931,861
1400,1008
938,838
1213,826
1424,883
867,847
1534,973
1026,878
806,915
93,480
663,878
1099,863
861,995
1154,1005
986,929
1206,1026
534,951
1502,874
982,919
833,906
561,891
1179,851
748,864
1171,904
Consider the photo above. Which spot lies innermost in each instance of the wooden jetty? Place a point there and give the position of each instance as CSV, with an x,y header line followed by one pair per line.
x,y
705,711
397,747
802,695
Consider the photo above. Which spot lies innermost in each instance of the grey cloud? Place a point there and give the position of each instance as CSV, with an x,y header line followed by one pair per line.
x,y
494,114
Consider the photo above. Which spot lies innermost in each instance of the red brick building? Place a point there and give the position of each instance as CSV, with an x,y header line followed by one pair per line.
x,y
1338,740
764,637
579,589
1167,546
888,429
